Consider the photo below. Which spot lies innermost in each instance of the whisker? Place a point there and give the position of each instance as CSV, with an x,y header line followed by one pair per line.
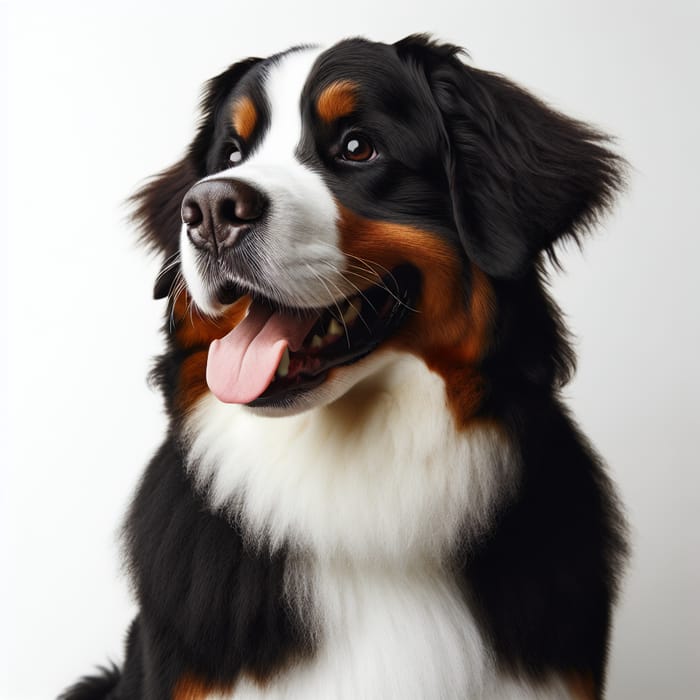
x,y
345,298
359,291
386,289
320,279
168,264
179,284
369,264
369,267
190,305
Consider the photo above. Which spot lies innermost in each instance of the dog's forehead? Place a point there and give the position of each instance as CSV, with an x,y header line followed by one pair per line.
x,y
283,81
264,108
310,78
369,64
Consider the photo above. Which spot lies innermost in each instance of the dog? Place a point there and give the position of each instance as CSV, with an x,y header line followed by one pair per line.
x,y
370,487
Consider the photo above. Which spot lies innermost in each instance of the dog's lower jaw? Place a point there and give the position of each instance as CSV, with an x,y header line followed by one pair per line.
x,y
341,384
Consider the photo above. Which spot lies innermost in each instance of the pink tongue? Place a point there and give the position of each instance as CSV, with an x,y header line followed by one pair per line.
x,y
243,363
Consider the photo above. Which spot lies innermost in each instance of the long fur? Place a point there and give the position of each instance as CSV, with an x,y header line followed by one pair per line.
x,y
430,522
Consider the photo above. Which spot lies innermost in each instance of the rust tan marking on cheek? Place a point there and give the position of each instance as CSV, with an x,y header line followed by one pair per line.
x,y
582,687
337,100
192,379
194,332
192,328
456,309
244,117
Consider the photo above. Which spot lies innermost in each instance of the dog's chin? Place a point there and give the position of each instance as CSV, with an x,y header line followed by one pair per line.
x,y
338,384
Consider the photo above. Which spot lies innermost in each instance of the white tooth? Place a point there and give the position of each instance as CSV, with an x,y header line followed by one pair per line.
x,y
334,328
316,342
351,313
283,368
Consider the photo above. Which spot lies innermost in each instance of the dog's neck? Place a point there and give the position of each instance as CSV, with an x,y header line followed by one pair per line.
x,y
381,474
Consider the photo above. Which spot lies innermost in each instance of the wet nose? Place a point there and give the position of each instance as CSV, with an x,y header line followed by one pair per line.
x,y
219,213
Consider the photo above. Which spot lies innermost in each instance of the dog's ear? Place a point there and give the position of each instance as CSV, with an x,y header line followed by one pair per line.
x,y
156,206
522,176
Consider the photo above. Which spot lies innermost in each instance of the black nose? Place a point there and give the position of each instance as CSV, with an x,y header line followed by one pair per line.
x,y
218,213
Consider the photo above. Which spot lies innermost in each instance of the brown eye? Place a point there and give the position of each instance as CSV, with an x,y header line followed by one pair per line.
x,y
358,148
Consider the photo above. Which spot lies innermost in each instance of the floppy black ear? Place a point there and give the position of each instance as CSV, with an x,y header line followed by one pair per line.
x,y
157,203
521,175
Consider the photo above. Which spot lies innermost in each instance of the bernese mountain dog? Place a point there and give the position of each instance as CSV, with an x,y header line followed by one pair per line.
x,y
370,487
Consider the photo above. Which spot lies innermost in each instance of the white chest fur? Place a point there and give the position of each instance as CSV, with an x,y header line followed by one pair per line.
x,y
372,492
382,474
403,634
394,635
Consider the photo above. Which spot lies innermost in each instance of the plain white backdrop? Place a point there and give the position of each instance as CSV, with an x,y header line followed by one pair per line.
x,y
95,98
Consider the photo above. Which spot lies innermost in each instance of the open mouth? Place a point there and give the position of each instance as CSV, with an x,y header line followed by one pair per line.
x,y
273,355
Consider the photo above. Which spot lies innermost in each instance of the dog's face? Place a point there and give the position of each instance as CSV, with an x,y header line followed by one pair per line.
x,y
327,202
361,201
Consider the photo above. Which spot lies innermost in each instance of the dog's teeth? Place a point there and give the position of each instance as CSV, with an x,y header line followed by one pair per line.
x,y
283,368
334,328
352,312
316,342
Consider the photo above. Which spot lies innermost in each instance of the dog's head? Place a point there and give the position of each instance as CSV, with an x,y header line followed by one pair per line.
x,y
360,200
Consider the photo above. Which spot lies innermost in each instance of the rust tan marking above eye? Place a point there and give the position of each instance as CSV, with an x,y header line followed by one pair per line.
x,y
337,100
244,117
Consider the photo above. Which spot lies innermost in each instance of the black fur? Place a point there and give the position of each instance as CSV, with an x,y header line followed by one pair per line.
x,y
94,687
545,578
479,161
521,175
210,604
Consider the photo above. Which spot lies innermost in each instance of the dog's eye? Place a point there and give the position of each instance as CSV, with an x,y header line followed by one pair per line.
x,y
357,148
235,155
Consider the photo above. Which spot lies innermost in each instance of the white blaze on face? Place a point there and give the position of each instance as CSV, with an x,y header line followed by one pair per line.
x,y
298,254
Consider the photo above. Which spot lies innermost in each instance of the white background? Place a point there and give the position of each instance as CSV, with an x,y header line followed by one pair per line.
x,y
98,97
